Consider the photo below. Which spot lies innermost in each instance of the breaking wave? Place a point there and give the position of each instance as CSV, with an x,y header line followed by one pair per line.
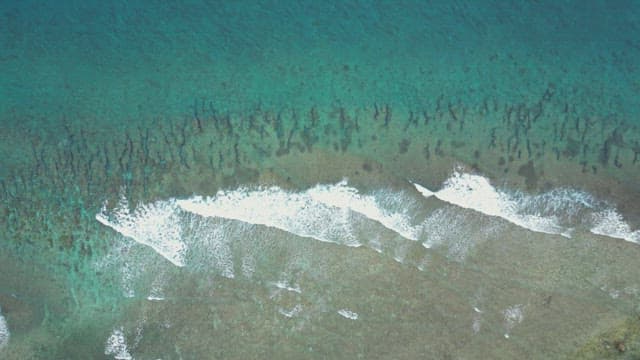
x,y
201,229
476,192
611,223
558,211
327,213
153,225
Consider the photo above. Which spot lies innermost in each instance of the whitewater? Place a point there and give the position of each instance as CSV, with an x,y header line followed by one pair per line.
x,y
341,214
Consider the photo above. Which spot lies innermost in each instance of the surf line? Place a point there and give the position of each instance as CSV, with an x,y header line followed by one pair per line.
x,y
156,225
476,193
322,212
332,213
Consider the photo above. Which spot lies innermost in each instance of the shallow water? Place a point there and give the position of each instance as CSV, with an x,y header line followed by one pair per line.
x,y
315,180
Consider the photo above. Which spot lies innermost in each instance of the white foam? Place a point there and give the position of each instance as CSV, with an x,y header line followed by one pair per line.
x,y
554,212
324,212
4,332
291,313
476,325
155,225
569,203
346,313
211,243
375,243
248,266
513,316
476,192
610,223
459,231
345,197
126,280
156,293
198,230
296,213
117,345
284,285
423,190
139,329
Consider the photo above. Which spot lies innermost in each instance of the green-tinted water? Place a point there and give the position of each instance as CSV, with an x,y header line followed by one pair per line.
x,y
154,104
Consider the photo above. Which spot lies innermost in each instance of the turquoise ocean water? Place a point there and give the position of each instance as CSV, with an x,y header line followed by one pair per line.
x,y
310,179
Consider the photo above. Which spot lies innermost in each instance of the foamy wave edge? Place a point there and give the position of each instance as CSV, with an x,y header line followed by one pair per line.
x,y
610,223
475,192
323,212
155,225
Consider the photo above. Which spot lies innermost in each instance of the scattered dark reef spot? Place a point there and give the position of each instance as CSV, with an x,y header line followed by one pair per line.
x,y
282,151
572,149
457,144
529,173
426,152
404,146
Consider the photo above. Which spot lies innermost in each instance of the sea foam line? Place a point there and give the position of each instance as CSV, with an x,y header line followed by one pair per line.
x,y
155,225
475,192
610,223
324,212
291,212
348,314
345,197
335,213
549,212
